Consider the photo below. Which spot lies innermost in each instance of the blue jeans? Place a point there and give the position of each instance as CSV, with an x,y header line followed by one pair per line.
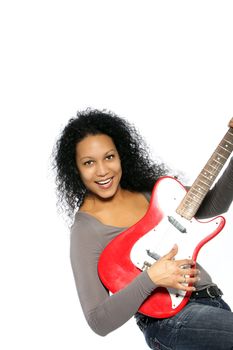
x,y
203,324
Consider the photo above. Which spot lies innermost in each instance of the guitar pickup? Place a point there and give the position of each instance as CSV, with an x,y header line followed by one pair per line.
x,y
177,224
153,255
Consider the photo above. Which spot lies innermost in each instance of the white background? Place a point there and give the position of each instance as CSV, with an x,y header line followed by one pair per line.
x,y
164,65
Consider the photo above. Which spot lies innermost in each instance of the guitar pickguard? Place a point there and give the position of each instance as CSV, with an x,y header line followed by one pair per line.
x,y
158,241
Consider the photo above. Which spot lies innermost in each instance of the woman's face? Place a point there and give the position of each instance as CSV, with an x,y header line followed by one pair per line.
x,y
99,165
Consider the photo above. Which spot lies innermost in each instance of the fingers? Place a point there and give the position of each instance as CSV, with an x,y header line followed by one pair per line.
x,y
172,253
188,271
185,288
185,262
188,276
188,280
178,274
231,123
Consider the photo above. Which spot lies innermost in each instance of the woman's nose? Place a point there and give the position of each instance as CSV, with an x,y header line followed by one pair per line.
x,y
102,169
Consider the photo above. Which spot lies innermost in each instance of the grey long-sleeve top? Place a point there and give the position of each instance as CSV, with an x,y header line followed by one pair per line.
x,y
104,312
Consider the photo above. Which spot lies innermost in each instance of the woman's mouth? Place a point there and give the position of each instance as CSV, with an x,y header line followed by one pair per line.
x,y
105,184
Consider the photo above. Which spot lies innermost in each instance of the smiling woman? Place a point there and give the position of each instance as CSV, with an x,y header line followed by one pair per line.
x,y
105,177
99,165
75,158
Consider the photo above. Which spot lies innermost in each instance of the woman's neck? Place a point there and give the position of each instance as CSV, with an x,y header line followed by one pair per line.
x,y
93,203
123,210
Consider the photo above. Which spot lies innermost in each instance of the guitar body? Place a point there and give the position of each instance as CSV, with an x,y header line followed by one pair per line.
x,y
141,245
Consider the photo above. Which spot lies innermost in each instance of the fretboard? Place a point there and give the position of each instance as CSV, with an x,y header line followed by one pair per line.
x,y
194,197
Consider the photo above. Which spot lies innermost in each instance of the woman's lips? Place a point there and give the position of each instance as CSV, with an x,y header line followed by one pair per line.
x,y
105,184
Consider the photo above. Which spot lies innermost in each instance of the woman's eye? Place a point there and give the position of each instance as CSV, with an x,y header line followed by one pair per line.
x,y
111,156
89,162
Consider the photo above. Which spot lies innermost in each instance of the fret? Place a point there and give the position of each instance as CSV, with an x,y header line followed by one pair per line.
x,y
218,160
228,137
206,177
194,197
227,140
200,185
226,143
222,155
196,193
209,170
225,149
191,200
203,182
199,188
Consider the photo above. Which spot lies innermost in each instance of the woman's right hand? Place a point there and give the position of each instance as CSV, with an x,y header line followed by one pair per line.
x,y
170,273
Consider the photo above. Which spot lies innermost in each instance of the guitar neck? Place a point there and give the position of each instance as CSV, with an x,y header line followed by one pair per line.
x,y
194,197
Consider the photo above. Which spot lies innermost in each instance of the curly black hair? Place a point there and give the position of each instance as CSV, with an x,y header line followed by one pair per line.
x,y
139,172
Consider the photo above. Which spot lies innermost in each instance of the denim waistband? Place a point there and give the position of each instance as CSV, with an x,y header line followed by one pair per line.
x,y
143,320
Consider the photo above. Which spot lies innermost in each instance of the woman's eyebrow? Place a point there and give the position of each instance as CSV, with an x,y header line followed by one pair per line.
x,y
87,156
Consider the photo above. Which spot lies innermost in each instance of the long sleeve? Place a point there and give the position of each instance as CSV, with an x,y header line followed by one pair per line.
x,y
219,198
104,313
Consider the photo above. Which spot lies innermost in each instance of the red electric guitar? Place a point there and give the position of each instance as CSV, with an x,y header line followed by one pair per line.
x,y
169,220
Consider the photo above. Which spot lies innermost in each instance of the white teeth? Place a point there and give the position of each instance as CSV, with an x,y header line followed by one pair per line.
x,y
104,182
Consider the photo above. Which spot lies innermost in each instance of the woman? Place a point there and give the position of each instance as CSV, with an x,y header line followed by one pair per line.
x,y
105,175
